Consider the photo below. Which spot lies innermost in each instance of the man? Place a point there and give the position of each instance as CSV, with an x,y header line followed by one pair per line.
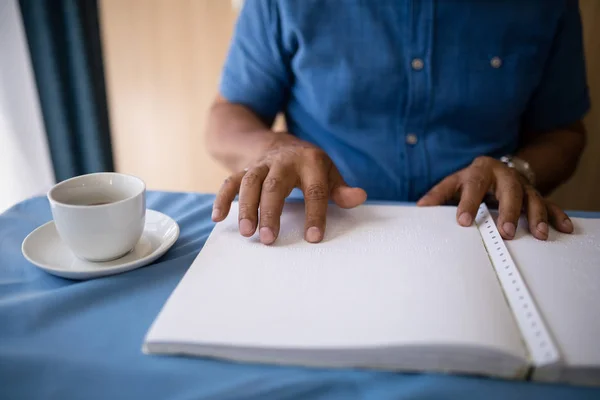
x,y
416,100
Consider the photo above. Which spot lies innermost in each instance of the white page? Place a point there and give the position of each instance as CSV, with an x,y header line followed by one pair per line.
x,y
384,276
563,275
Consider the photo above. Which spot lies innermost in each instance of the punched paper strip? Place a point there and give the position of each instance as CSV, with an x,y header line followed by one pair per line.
x,y
542,348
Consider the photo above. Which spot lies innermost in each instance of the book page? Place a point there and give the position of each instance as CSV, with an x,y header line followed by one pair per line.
x,y
383,276
563,275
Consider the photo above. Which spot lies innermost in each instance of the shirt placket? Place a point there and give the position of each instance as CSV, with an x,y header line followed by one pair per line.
x,y
419,56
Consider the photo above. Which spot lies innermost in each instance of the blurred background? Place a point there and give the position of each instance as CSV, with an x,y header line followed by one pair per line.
x,y
95,85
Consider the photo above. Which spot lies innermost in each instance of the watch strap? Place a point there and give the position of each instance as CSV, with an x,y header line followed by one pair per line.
x,y
520,166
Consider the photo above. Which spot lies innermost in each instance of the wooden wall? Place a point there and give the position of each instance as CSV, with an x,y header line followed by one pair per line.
x,y
582,192
162,62
163,59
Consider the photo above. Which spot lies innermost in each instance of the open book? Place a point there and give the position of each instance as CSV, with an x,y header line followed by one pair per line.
x,y
396,288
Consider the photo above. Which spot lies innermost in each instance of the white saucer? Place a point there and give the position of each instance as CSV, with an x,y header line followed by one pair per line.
x,y
44,248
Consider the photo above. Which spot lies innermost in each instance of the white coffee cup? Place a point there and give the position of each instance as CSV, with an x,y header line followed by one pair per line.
x,y
99,216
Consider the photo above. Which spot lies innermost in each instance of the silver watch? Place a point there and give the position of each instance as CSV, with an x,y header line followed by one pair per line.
x,y
521,166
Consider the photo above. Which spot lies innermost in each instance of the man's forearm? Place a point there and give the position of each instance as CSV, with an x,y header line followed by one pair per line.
x,y
236,136
553,156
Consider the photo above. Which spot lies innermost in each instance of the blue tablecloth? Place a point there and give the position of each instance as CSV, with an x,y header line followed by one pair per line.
x,y
62,339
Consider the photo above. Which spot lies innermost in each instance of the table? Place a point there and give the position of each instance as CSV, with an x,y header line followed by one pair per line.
x,y
62,339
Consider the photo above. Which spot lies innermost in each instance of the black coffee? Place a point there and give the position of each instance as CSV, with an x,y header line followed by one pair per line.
x,y
94,201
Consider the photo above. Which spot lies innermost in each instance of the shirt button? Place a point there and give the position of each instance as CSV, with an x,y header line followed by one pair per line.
x,y
412,139
496,62
417,64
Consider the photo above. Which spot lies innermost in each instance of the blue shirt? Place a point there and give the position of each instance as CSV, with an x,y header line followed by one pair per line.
x,y
402,93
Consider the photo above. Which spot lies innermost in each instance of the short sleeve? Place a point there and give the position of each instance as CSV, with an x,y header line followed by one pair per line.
x,y
562,97
255,73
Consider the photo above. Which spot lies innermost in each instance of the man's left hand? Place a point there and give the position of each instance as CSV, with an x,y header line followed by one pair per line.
x,y
513,192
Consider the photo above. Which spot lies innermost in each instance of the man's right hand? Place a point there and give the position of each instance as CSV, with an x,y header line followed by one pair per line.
x,y
264,186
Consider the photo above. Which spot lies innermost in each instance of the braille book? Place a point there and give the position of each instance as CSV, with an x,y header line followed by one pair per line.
x,y
393,287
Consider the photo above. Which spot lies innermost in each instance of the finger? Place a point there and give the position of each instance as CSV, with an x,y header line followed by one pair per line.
x,y
225,196
250,190
276,187
537,215
440,193
342,194
509,192
475,183
558,218
314,184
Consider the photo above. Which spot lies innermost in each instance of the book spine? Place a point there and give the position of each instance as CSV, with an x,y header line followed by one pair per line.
x,y
542,348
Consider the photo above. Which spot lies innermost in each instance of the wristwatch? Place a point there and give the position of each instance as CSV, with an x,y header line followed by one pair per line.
x,y
521,166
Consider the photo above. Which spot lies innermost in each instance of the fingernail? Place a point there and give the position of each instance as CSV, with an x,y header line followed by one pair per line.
x,y
266,235
216,213
313,234
465,219
509,228
542,227
568,224
246,227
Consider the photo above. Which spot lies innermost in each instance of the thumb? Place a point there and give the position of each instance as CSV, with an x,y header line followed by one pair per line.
x,y
342,194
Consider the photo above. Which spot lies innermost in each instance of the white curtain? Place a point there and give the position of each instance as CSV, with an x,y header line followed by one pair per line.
x,y
25,166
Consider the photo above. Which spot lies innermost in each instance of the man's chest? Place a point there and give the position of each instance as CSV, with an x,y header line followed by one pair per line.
x,y
420,57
